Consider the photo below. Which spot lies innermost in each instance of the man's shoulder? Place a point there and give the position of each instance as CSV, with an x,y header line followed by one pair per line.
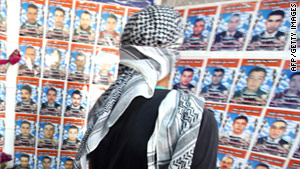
x,y
282,141
221,33
239,33
279,33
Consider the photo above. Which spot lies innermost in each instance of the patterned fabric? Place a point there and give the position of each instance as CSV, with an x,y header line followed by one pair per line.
x,y
156,26
173,140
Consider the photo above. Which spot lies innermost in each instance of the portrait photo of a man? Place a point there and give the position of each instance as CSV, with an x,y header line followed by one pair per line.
x,y
290,96
186,77
215,91
274,143
32,26
79,67
271,38
48,141
85,32
60,29
75,109
27,104
25,138
54,66
29,67
252,94
24,162
237,137
71,142
51,106
110,36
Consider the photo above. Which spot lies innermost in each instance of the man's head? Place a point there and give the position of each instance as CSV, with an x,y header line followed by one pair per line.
x,y
262,166
51,95
274,20
24,160
69,163
55,58
199,26
59,17
85,20
49,130
226,162
233,23
25,128
256,77
80,61
32,13
76,98
30,54
239,124
217,76
26,93
186,77
295,82
46,162
277,129
72,133
111,23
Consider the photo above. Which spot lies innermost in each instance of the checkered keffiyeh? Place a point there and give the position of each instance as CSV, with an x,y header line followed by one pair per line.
x,y
144,61
155,26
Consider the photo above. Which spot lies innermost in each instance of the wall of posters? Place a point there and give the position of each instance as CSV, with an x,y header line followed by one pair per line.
x,y
69,52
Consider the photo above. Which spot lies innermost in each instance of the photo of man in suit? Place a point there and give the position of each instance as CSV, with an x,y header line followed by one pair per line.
x,y
274,143
75,109
272,38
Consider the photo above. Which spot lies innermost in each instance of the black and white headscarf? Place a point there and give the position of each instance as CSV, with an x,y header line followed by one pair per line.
x,y
143,62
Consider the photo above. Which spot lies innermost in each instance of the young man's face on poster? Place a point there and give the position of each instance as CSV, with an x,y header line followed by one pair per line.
x,y
80,62
30,54
198,27
277,130
48,131
217,77
85,20
111,24
76,100
59,18
273,23
32,15
72,134
295,83
186,77
25,95
25,129
24,162
46,163
254,80
233,23
51,96
239,125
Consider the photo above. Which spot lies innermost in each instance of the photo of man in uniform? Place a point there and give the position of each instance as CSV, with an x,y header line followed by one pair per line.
x,y
237,137
252,94
24,162
274,143
68,163
58,31
51,107
110,36
72,142
84,33
271,38
231,37
48,141
25,138
185,78
31,27
75,109
27,104
46,162
226,162
289,98
29,68
195,41
215,91
79,74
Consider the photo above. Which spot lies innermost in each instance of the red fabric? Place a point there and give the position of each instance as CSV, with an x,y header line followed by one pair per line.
x,y
14,58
